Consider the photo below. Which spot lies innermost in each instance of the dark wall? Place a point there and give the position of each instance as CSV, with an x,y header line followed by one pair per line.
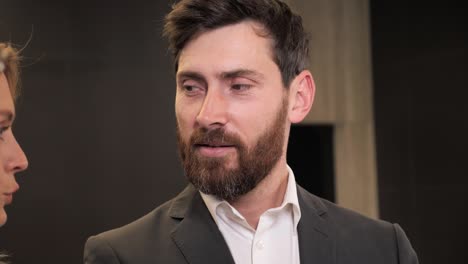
x,y
420,67
95,119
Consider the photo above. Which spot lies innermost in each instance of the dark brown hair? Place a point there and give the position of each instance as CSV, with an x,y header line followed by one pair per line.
x,y
290,42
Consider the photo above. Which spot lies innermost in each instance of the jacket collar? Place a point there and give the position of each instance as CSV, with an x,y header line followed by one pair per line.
x,y
197,236
316,238
199,239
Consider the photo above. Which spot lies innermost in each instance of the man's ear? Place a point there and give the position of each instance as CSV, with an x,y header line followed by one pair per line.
x,y
301,97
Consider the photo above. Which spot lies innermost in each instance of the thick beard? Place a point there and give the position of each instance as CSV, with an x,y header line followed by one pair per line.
x,y
212,176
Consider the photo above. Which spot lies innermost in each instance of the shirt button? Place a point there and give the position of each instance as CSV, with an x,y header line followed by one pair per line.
x,y
260,245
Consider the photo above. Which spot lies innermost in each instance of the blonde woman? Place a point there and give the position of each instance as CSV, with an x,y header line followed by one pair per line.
x,y
12,157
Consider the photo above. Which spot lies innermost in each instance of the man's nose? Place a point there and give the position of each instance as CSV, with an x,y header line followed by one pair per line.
x,y
214,111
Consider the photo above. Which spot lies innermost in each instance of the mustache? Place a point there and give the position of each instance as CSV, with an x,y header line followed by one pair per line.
x,y
214,137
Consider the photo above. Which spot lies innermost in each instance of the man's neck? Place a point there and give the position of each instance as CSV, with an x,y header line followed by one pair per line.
x,y
269,193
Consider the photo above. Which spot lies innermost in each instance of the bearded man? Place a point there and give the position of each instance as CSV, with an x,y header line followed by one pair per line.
x,y
241,82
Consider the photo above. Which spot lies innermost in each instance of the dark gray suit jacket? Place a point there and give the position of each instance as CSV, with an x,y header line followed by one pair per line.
x,y
183,231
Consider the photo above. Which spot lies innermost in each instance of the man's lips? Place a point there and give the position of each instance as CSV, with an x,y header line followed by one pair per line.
x,y
213,145
214,150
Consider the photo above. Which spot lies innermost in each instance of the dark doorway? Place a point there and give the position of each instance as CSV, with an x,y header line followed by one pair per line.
x,y
310,155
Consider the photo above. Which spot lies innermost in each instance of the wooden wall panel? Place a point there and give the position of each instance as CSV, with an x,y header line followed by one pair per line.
x,y
341,64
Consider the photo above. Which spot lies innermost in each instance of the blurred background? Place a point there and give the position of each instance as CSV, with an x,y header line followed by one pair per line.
x,y
387,136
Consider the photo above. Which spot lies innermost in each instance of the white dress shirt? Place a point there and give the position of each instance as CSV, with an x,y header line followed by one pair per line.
x,y
274,242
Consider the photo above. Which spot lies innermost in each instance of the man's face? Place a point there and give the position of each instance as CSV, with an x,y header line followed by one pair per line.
x,y
12,158
231,110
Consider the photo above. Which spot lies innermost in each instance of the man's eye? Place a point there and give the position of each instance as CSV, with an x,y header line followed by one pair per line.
x,y
188,88
191,90
241,87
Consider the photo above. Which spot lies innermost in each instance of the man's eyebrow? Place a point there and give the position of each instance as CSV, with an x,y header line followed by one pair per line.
x,y
223,75
241,73
190,75
8,114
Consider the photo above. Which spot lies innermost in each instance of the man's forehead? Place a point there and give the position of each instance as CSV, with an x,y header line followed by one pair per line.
x,y
226,49
247,29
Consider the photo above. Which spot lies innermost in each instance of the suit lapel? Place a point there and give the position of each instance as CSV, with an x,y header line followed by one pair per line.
x,y
199,239
197,236
316,243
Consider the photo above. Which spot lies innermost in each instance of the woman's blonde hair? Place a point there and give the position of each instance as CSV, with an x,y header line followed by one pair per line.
x,y
9,62
9,65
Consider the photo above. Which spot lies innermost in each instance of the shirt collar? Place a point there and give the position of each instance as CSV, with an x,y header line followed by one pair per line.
x,y
290,197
